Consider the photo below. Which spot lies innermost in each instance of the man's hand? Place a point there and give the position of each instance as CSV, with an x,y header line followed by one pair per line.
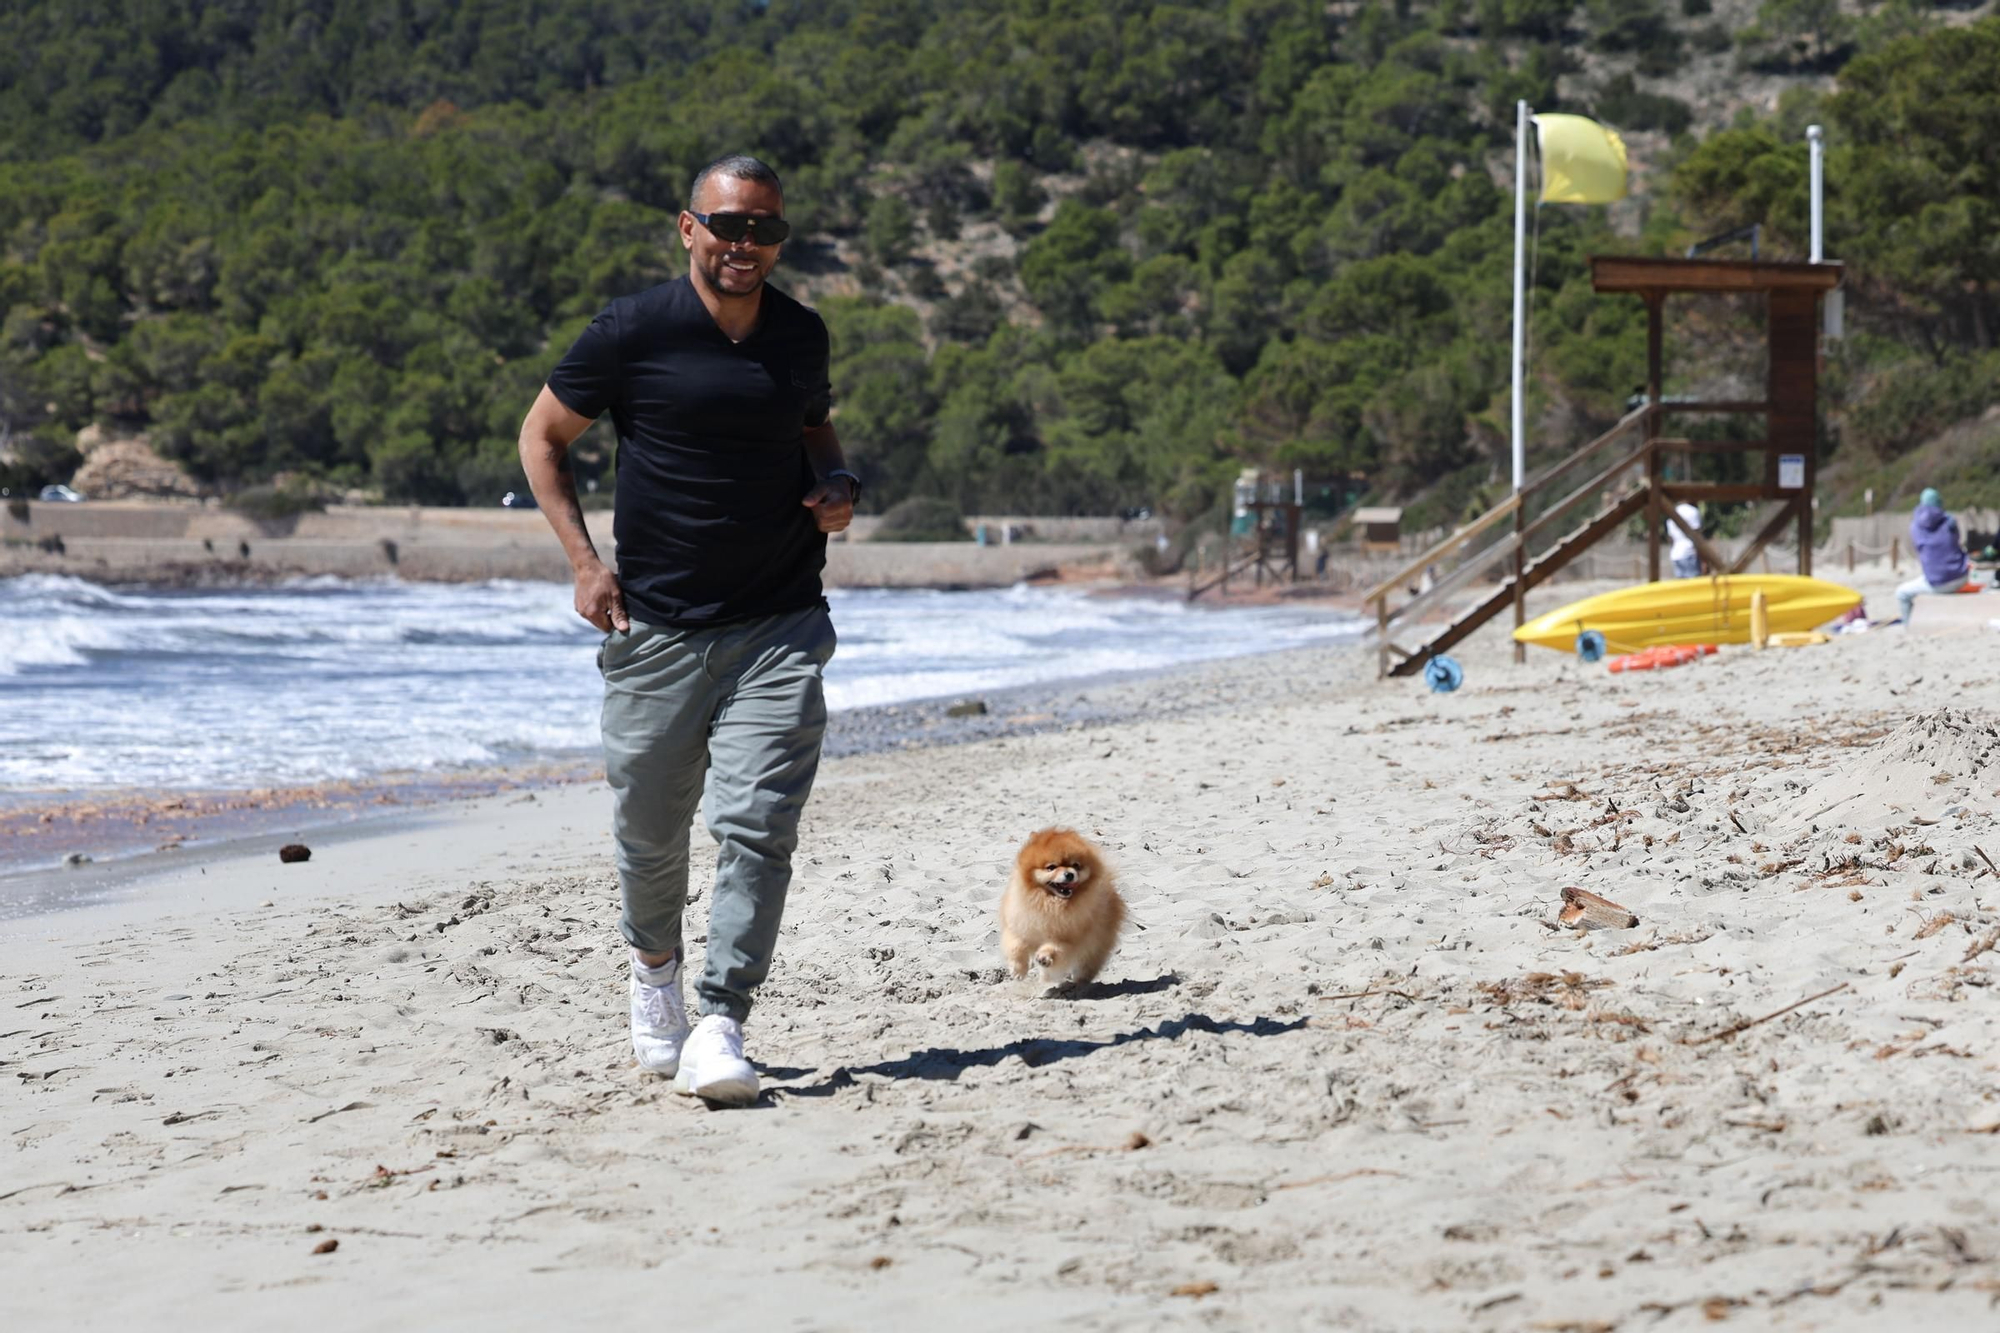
x,y
598,599
832,503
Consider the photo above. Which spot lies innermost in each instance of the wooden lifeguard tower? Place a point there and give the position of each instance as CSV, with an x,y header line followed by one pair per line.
x,y
1527,550
1272,517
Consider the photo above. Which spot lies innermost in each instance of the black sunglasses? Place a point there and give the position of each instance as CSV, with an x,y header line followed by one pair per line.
x,y
734,227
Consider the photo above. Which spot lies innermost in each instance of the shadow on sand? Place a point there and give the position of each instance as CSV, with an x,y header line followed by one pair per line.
x,y
947,1062
1117,989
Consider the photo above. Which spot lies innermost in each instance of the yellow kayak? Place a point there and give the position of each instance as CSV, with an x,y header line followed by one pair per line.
x,y
1715,609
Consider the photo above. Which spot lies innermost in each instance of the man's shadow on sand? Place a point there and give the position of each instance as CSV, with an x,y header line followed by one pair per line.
x,y
946,1063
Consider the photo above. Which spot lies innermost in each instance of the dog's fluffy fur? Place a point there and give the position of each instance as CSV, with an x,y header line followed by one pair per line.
x,y
1061,911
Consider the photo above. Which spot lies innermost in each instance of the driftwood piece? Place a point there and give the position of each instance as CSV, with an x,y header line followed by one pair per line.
x,y
1585,910
1747,1024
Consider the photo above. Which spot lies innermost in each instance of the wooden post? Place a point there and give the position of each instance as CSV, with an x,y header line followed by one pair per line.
x,y
1520,582
1381,637
1791,400
1850,555
1895,554
1655,512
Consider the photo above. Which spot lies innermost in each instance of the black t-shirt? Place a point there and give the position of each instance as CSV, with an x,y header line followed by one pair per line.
x,y
711,466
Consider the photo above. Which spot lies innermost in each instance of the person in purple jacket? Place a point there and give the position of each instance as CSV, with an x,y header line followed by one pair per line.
x,y
1940,552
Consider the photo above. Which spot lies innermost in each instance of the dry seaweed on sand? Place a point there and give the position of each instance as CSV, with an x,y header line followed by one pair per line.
x,y
1571,990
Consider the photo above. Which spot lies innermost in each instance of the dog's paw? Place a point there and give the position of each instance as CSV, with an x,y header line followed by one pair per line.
x,y
1047,956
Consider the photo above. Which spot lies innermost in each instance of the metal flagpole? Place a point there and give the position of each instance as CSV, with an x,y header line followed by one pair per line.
x,y
1813,137
1520,281
1833,310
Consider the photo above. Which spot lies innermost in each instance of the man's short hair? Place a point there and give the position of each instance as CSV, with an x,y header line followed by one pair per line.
x,y
740,166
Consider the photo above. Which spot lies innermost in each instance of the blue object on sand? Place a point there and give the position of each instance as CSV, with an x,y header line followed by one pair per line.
x,y
1443,675
1590,646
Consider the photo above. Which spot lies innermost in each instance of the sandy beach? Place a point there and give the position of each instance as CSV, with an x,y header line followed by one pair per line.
x,y
1351,1072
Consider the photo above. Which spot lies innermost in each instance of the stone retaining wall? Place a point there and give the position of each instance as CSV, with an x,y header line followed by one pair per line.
x,y
123,542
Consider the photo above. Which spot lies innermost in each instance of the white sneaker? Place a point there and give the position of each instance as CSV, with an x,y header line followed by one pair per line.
x,y
659,1023
712,1063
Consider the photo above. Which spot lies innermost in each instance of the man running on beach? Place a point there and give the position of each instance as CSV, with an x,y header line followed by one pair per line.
x,y
729,479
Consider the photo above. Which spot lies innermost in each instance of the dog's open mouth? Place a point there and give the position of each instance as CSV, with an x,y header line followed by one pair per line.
x,y
1060,890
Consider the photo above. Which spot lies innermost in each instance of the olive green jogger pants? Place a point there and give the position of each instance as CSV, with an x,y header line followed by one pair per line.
x,y
730,717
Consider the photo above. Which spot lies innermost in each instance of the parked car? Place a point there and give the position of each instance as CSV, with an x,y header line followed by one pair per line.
x,y
61,493
518,500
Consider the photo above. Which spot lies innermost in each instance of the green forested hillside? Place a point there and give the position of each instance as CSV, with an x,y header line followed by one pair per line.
x,y
1076,254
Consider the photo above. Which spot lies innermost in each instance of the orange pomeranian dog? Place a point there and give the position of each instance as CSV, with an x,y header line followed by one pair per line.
x,y
1061,910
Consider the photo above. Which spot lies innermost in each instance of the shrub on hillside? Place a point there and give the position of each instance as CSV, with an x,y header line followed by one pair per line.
x,y
273,503
30,461
1914,401
922,518
1622,103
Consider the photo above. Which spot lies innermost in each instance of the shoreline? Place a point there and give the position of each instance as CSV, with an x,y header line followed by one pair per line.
x,y
130,836
39,829
124,832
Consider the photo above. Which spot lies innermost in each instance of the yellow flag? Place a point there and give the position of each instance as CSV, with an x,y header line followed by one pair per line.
x,y
1582,161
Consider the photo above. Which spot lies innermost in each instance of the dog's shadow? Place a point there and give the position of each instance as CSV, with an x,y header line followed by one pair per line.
x,y
1098,990
1067,991
946,1063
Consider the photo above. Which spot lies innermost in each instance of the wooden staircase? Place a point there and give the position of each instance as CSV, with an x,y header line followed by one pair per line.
x,y
1532,573
1515,552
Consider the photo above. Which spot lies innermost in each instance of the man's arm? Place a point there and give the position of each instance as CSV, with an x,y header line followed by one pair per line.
x,y
546,436
832,502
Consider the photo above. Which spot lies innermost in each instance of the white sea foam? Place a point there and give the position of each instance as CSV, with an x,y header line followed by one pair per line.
x,y
327,679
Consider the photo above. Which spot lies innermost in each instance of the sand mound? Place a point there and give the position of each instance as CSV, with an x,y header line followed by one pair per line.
x,y
1950,741
1933,760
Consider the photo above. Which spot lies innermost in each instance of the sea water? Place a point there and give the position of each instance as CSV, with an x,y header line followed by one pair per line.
x,y
330,679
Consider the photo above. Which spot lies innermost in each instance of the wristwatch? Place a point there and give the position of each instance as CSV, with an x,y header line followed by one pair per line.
x,y
853,483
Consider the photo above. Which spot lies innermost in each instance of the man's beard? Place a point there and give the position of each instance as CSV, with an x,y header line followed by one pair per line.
x,y
713,272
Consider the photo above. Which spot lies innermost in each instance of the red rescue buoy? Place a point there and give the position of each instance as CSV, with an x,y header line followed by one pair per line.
x,y
1655,659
